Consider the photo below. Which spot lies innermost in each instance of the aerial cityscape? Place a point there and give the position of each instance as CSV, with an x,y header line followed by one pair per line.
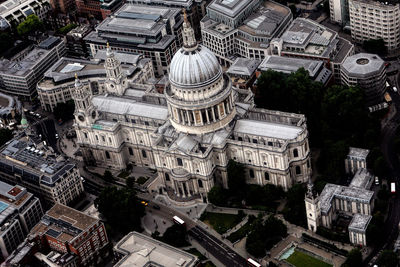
x,y
199,133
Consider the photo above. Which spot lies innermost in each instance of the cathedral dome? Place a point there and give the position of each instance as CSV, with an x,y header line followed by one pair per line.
x,y
194,68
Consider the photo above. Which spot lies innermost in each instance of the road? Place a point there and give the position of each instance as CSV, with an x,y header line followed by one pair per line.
x,y
390,231
209,242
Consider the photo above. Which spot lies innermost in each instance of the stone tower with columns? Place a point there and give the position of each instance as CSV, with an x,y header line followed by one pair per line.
x,y
313,209
116,82
85,113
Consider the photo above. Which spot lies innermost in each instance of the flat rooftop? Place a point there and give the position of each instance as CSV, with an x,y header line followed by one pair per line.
x,y
138,20
356,152
332,191
289,65
124,106
35,162
244,66
362,179
36,56
267,129
363,64
230,8
359,223
9,5
141,250
63,223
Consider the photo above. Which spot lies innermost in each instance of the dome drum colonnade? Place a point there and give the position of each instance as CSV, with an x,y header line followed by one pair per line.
x,y
200,98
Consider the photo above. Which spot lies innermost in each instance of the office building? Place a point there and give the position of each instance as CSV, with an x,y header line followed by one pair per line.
x,y
136,249
13,12
367,71
371,19
315,68
307,39
242,28
339,11
195,9
76,46
59,80
243,72
97,9
191,135
153,31
356,159
34,166
71,234
19,78
19,212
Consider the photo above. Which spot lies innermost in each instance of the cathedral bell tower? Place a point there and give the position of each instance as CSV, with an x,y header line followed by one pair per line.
x,y
85,113
116,82
313,208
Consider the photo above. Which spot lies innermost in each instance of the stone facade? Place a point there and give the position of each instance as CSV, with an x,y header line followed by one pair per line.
x,y
191,132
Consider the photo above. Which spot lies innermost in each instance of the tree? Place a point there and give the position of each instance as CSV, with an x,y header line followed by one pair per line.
x,y
354,259
121,209
388,258
67,28
6,41
236,178
375,46
5,136
217,196
64,111
374,230
175,236
264,235
130,181
30,24
107,176
295,211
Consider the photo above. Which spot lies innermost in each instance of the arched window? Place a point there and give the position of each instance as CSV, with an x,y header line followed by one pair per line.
x,y
130,151
298,170
251,173
200,182
144,154
266,175
167,177
107,155
295,153
180,162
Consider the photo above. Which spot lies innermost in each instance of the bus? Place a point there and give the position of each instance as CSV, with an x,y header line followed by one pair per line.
x,y
253,263
178,220
392,188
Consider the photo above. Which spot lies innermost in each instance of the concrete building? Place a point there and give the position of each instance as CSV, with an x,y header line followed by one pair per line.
x,y
339,11
355,200
76,46
195,9
136,249
245,28
68,231
367,71
153,31
307,39
40,170
97,9
63,6
59,80
371,19
13,12
356,159
316,68
19,212
19,78
199,124
243,72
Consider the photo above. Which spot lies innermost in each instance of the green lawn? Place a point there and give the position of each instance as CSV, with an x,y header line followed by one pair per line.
x,y
141,180
221,222
300,259
124,174
242,232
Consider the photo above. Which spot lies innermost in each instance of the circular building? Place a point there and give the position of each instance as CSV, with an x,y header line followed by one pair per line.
x,y
200,96
367,71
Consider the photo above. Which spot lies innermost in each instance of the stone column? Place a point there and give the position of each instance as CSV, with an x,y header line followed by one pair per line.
x,y
195,186
188,188
183,117
208,117
176,188
183,189
194,118
213,113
